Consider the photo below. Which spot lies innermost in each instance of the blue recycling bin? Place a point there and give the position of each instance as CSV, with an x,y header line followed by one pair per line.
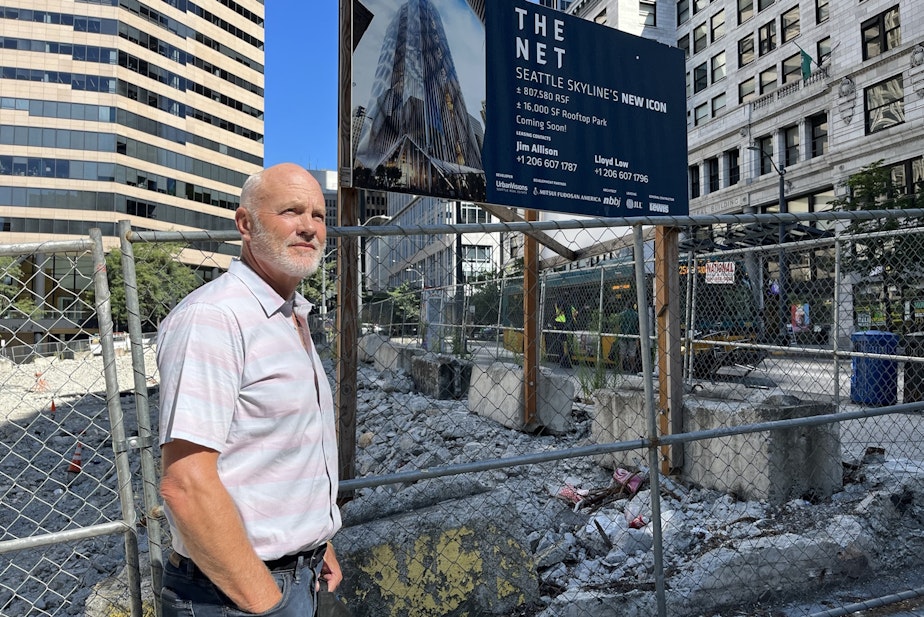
x,y
874,381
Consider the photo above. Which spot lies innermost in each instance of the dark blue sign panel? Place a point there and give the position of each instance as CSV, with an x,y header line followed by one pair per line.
x,y
515,104
582,118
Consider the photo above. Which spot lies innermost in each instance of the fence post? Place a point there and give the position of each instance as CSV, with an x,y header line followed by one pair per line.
x,y
653,450
532,333
116,420
347,260
670,364
149,473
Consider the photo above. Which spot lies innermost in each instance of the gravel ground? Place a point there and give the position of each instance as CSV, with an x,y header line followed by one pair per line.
x,y
399,430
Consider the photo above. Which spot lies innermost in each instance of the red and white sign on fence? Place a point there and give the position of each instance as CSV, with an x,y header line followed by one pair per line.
x,y
720,272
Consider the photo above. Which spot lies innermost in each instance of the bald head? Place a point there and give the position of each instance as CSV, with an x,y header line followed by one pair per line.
x,y
254,190
281,221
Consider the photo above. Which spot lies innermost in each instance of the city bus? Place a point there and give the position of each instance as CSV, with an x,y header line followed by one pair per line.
x,y
600,303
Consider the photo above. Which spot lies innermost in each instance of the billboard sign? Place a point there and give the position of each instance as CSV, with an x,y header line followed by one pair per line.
x,y
515,104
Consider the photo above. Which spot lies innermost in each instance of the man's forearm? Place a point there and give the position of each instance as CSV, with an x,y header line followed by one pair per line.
x,y
213,533
218,545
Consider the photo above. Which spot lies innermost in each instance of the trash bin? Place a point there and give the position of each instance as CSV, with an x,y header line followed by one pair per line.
x,y
874,381
914,371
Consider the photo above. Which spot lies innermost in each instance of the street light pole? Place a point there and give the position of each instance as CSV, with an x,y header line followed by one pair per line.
x,y
781,257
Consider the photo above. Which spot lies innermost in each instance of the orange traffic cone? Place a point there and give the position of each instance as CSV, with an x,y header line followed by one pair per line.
x,y
77,460
53,409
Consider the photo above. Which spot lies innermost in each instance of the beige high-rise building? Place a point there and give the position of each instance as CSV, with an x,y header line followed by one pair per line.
x,y
126,109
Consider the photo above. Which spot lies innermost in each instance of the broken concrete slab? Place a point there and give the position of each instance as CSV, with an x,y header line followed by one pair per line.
x,y
454,558
441,376
368,345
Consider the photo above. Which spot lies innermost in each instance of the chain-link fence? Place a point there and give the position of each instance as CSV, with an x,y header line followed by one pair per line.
x,y
67,516
694,419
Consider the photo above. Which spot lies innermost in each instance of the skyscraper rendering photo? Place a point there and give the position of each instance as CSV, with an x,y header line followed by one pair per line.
x,y
418,119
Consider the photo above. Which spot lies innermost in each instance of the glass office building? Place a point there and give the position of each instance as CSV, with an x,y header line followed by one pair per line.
x,y
127,110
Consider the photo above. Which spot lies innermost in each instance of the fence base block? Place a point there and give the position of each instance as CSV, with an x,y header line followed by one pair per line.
x,y
496,392
441,376
775,466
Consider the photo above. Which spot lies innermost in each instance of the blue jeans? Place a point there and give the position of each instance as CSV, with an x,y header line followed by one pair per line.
x,y
187,592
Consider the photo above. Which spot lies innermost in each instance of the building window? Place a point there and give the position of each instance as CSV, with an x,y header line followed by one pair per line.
x,y
689,86
792,69
818,128
747,90
885,105
764,154
745,10
762,4
718,67
791,141
822,12
699,38
601,17
700,5
768,80
648,11
700,78
473,214
694,181
712,174
700,114
683,11
718,104
734,167
746,51
789,24
907,177
718,25
684,44
767,37
881,33
823,50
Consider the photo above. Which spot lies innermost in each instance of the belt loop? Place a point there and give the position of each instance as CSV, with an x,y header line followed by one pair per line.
x,y
298,567
190,567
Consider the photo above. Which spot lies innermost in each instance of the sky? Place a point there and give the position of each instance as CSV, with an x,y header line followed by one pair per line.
x,y
300,124
301,83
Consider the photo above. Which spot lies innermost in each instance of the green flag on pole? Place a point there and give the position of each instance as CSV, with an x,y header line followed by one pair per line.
x,y
806,65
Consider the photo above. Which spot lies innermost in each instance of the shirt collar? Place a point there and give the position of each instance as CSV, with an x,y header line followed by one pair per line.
x,y
271,301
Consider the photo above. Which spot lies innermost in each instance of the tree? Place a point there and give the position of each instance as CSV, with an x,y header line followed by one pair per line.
x,y
13,290
162,282
486,299
886,263
320,284
406,304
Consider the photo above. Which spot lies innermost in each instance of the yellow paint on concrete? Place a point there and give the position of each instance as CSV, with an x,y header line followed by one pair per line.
x,y
436,578
440,572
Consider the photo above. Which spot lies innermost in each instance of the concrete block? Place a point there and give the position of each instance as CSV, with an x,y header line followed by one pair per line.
x,y
368,345
619,415
773,466
496,392
393,356
441,376
455,558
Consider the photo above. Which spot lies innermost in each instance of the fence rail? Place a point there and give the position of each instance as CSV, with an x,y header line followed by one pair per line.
x,y
789,468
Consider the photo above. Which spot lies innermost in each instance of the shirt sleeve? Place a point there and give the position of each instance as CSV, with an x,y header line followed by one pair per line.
x,y
200,361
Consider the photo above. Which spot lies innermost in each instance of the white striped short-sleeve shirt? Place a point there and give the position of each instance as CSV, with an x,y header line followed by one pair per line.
x,y
236,377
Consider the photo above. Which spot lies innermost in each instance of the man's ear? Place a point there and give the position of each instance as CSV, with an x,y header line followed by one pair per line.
x,y
243,222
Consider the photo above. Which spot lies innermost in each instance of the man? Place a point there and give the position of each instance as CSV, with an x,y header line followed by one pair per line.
x,y
247,420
